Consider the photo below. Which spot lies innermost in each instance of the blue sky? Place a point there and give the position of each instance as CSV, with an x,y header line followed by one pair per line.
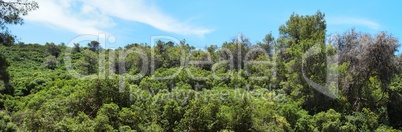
x,y
201,23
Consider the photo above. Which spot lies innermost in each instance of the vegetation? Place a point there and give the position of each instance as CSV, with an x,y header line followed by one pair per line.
x,y
238,87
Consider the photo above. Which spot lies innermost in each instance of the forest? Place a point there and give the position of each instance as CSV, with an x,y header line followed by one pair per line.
x,y
304,80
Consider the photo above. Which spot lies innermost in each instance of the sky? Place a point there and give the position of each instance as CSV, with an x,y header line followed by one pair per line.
x,y
200,23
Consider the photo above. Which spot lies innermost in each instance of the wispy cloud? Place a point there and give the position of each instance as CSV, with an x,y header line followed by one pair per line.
x,y
91,16
355,22
59,14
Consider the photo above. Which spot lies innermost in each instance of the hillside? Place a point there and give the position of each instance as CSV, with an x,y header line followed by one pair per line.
x,y
237,86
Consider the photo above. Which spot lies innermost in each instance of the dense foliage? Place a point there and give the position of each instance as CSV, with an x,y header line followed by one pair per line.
x,y
238,86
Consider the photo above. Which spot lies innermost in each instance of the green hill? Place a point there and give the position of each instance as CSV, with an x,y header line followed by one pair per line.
x,y
239,86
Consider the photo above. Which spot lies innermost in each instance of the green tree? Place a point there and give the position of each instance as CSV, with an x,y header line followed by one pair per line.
x,y
6,123
130,117
268,43
171,115
10,13
242,116
51,62
77,47
94,45
88,63
81,123
107,118
328,121
53,49
4,75
365,120
201,116
297,36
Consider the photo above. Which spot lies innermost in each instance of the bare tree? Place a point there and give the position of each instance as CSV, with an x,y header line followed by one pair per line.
x,y
367,56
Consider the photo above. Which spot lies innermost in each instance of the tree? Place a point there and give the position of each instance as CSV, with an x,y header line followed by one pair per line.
x,y
171,115
304,27
53,49
130,117
242,116
81,122
6,123
192,97
10,13
394,110
94,45
88,63
238,49
76,47
51,62
297,36
268,43
365,120
203,58
369,58
328,121
4,75
107,117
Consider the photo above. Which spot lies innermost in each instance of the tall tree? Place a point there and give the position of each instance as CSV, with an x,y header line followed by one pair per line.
x,y
4,75
53,49
94,45
77,47
297,36
10,13
268,44
369,58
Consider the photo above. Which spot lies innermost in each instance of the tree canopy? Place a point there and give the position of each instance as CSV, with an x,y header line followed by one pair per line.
x,y
236,86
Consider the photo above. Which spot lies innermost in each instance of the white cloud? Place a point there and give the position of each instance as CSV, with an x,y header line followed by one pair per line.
x,y
59,14
354,21
93,15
